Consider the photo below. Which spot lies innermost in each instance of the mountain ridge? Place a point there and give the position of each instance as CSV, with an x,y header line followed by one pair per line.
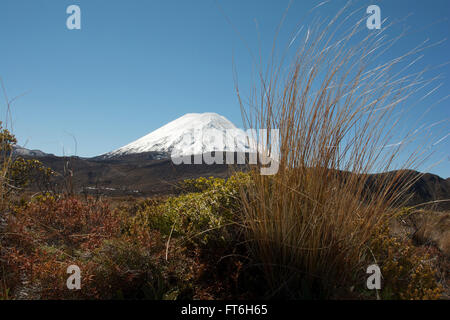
x,y
21,151
141,175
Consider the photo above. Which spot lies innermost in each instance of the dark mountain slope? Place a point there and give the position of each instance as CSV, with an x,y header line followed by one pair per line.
x,y
144,174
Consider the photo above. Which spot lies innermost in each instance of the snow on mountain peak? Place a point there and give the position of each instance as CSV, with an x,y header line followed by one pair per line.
x,y
193,133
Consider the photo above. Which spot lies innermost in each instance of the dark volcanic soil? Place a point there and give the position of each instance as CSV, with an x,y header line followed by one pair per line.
x,y
147,174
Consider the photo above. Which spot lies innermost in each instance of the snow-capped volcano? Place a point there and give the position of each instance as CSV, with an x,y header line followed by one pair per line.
x,y
193,133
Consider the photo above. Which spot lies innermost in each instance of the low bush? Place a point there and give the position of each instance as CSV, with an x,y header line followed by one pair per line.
x,y
117,258
43,237
191,246
408,272
202,216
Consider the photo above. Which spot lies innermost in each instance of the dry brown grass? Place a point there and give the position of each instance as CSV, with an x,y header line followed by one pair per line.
x,y
310,224
433,228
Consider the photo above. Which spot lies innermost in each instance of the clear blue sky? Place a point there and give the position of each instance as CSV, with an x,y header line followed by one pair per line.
x,y
137,64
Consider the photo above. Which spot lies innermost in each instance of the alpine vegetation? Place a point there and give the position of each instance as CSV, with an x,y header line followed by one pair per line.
x,y
316,198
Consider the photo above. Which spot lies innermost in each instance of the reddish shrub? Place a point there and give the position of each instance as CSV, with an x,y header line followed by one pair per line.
x,y
42,238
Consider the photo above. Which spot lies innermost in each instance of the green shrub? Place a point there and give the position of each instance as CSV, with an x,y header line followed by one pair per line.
x,y
199,216
125,269
408,272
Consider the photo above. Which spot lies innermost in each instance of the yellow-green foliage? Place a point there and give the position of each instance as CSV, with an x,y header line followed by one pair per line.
x,y
7,139
199,185
18,172
199,216
408,273
22,172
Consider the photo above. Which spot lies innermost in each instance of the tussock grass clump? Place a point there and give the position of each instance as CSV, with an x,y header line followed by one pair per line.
x,y
310,224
